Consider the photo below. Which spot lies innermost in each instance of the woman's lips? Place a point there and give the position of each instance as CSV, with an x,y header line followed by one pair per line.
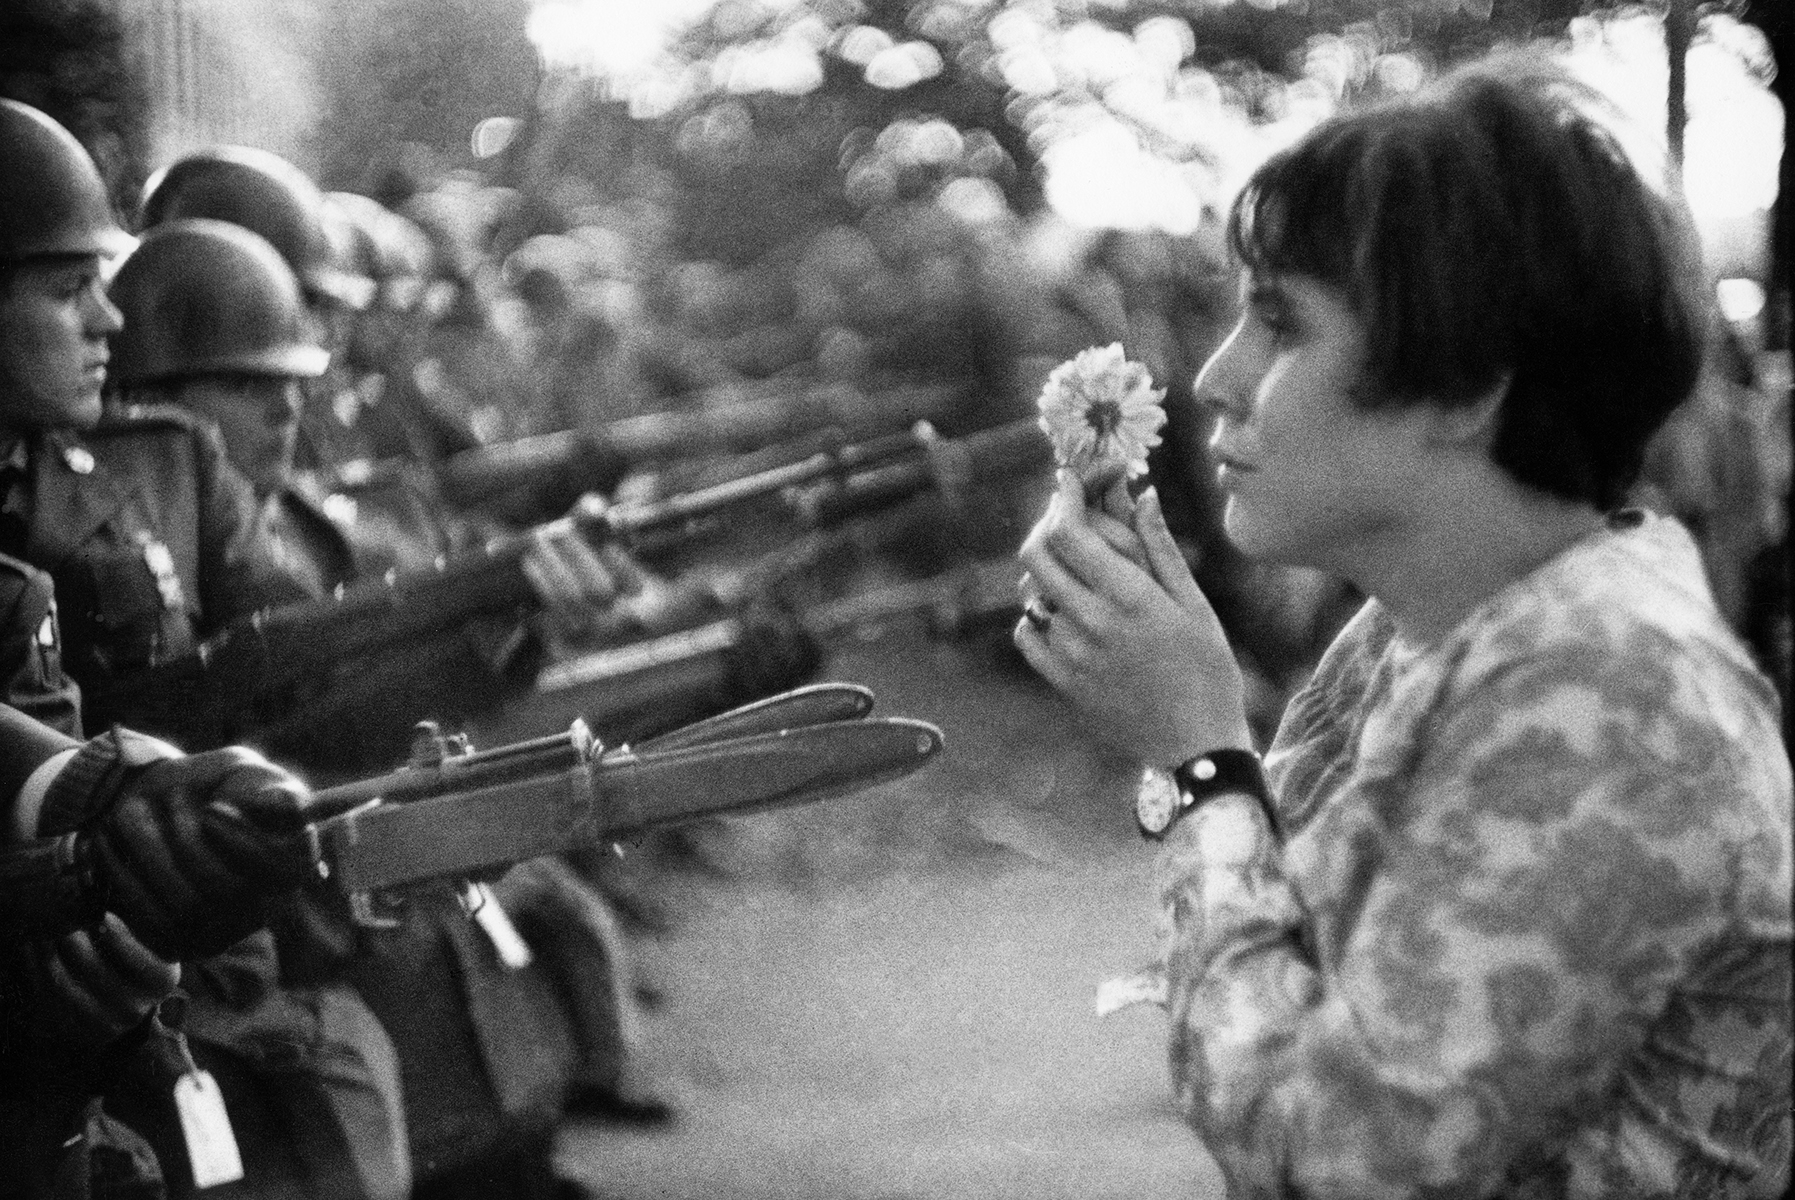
x,y
1230,471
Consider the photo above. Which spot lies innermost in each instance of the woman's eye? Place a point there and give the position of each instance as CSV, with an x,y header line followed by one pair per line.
x,y
1274,328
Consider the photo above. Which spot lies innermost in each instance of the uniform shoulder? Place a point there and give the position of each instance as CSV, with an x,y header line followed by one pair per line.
x,y
26,593
14,568
134,418
136,431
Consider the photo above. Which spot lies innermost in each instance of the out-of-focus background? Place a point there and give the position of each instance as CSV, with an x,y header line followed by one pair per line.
x,y
632,208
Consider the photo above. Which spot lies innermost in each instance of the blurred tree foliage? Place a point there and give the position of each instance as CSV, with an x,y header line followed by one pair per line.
x,y
76,60
772,118
409,78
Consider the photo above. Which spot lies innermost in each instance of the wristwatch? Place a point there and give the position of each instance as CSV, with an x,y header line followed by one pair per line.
x,y
1164,796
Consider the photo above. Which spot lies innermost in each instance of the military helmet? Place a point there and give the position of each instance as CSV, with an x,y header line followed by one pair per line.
x,y
265,194
52,200
203,297
399,257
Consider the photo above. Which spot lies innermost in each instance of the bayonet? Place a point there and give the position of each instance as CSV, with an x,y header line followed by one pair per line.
x,y
468,812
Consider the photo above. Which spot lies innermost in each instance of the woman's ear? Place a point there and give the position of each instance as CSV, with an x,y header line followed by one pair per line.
x,y
1470,425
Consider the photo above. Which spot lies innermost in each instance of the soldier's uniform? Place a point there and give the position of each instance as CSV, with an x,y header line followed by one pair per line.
x,y
148,534
359,720
164,543
491,1032
31,650
47,1099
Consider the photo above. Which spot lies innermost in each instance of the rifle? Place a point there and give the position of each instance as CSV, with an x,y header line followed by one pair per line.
x,y
453,811
240,679
572,462
675,671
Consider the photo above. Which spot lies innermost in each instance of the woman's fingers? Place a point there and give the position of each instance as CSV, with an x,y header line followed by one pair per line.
x,y
1047,649
1164,559
1119,536
1062,593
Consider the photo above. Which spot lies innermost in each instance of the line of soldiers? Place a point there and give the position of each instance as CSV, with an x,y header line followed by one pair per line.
x,y
181,1011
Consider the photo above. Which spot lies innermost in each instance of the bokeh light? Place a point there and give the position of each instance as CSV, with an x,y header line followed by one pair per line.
x,y
1132,134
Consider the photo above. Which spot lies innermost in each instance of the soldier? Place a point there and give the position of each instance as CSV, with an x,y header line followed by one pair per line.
x,y
148,534
265,193
450,395
380,348
213,325
77,981
486,1024
122,859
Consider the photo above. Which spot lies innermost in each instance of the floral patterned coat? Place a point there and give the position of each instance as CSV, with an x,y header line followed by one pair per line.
x,y
1529,934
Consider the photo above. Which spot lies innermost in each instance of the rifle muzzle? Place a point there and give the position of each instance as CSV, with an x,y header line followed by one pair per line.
x,y
949,467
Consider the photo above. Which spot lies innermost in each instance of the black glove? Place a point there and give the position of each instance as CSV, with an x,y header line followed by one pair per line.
x,y
91,985
193,848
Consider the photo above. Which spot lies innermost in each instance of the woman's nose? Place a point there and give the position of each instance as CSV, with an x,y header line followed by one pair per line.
x,y
1225,384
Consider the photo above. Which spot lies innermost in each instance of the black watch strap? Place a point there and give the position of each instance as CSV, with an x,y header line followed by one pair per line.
x,y
1207,775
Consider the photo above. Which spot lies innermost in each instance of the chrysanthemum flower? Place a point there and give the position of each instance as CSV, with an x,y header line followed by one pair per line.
x,y
1102,414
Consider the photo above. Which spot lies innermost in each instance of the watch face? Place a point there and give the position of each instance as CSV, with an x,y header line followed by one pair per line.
x,y
1156,800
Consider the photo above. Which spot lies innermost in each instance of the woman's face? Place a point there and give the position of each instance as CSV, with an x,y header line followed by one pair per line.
x,y
1310,478
259,418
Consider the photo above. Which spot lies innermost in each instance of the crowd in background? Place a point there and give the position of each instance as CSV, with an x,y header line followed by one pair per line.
x,y
510,312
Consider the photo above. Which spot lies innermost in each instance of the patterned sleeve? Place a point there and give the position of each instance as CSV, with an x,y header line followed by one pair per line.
x,y
1496,934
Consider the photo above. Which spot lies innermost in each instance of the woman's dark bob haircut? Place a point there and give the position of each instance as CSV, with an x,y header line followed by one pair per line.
x,y
1485,228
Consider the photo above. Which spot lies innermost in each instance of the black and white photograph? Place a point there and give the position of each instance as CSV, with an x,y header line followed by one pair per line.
x,y
896,600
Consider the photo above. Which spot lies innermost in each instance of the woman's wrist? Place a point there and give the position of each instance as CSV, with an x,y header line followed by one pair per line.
x,y
1203,738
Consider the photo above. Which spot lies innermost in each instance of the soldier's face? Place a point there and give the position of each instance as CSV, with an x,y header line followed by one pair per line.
x,y
259,418
54,322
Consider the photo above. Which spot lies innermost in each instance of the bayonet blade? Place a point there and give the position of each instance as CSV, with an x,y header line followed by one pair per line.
x,y
749,774
622,792
813,704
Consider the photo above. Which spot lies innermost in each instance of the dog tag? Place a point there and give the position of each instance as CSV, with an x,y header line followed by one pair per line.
x,y
495,922
211,1144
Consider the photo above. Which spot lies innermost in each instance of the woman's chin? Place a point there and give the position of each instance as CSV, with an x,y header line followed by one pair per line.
x,y
1246,535
1259,540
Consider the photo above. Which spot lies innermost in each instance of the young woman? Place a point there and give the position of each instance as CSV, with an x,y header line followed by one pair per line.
x,y
1507,909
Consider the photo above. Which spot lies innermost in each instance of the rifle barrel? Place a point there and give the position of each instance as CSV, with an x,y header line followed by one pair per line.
x,y
484,768
952,598
594,459
688,506
947,465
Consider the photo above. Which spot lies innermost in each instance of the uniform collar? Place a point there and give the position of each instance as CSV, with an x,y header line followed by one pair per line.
x,y
73,494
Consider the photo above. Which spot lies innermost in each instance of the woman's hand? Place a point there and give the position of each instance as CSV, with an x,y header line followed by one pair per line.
x,y
1130,639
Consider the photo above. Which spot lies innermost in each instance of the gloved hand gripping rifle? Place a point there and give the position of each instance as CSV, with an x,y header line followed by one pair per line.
x,y
454,812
